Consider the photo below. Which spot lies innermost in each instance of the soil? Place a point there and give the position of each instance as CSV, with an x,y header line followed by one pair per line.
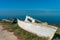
x,y
6,35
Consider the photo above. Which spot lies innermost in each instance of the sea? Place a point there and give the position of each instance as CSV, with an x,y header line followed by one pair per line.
x,y
49,16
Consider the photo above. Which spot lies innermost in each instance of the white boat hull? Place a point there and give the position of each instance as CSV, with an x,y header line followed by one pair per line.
x,y
42,31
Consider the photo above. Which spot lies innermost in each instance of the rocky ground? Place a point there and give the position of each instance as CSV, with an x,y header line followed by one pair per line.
x,y
6,35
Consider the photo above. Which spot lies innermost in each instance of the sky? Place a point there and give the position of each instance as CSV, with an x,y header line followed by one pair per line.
x,y
30,4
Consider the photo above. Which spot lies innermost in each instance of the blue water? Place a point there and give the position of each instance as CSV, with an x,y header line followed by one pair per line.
x,y
52,17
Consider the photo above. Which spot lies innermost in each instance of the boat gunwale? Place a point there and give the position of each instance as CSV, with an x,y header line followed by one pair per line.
x,y
40,24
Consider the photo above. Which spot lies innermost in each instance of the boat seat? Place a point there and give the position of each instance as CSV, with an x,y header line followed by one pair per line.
x,y
29,19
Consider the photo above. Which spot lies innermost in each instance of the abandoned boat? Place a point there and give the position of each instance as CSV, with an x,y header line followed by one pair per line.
x,y
37,27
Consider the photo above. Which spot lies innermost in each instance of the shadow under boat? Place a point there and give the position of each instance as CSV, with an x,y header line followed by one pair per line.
x,y
56,36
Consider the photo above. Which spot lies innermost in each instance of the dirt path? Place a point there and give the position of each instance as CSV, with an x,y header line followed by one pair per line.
x,y
6,35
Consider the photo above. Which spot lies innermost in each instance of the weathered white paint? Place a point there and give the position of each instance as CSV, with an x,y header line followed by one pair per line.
x,y
40,29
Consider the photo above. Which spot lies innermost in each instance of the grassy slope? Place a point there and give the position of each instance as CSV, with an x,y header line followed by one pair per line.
x,y
24,35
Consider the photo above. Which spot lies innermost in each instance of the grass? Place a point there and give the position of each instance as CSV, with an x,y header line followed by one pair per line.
x,y
24,35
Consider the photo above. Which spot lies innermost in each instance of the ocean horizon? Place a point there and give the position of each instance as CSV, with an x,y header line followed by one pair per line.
x,y
51,17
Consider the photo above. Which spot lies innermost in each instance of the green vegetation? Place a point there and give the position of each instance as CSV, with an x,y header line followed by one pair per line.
x,y
58,31
22,34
